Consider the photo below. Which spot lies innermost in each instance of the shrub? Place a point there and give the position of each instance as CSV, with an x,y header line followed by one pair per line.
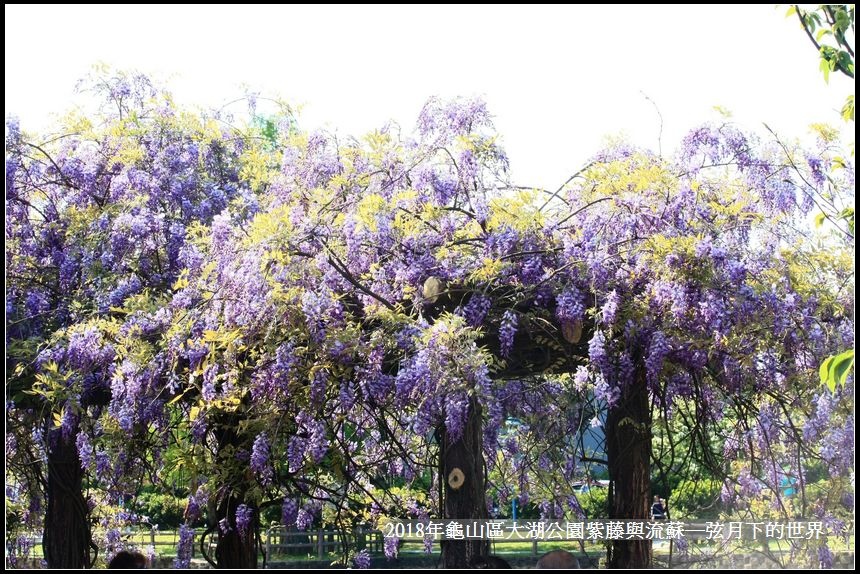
x,y
695,499
594,502
163,509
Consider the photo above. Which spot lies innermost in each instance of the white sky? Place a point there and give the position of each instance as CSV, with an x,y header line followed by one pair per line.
x,y
558,79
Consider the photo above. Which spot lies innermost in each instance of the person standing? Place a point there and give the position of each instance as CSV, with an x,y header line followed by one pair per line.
x,y
658,512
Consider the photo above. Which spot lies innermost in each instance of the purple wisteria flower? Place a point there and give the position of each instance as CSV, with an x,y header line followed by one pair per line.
x,y
184,548
609,312
260,458
507,331
391,547
244,519
657,352
475,311
304,519
289,511
362,559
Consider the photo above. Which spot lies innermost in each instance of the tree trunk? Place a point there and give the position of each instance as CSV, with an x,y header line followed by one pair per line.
x,y
67,538
628,450
464,494
235,549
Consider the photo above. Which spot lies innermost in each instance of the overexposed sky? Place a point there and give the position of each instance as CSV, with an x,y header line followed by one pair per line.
x,y
559,80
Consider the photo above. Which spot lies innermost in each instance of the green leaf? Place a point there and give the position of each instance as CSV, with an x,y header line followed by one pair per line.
x,y
725,112
824,371
819,219
840,368
835,369
848,109
845,60
178,397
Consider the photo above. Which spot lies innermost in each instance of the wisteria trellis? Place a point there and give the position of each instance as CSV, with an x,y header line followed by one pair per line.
x,y
300,315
